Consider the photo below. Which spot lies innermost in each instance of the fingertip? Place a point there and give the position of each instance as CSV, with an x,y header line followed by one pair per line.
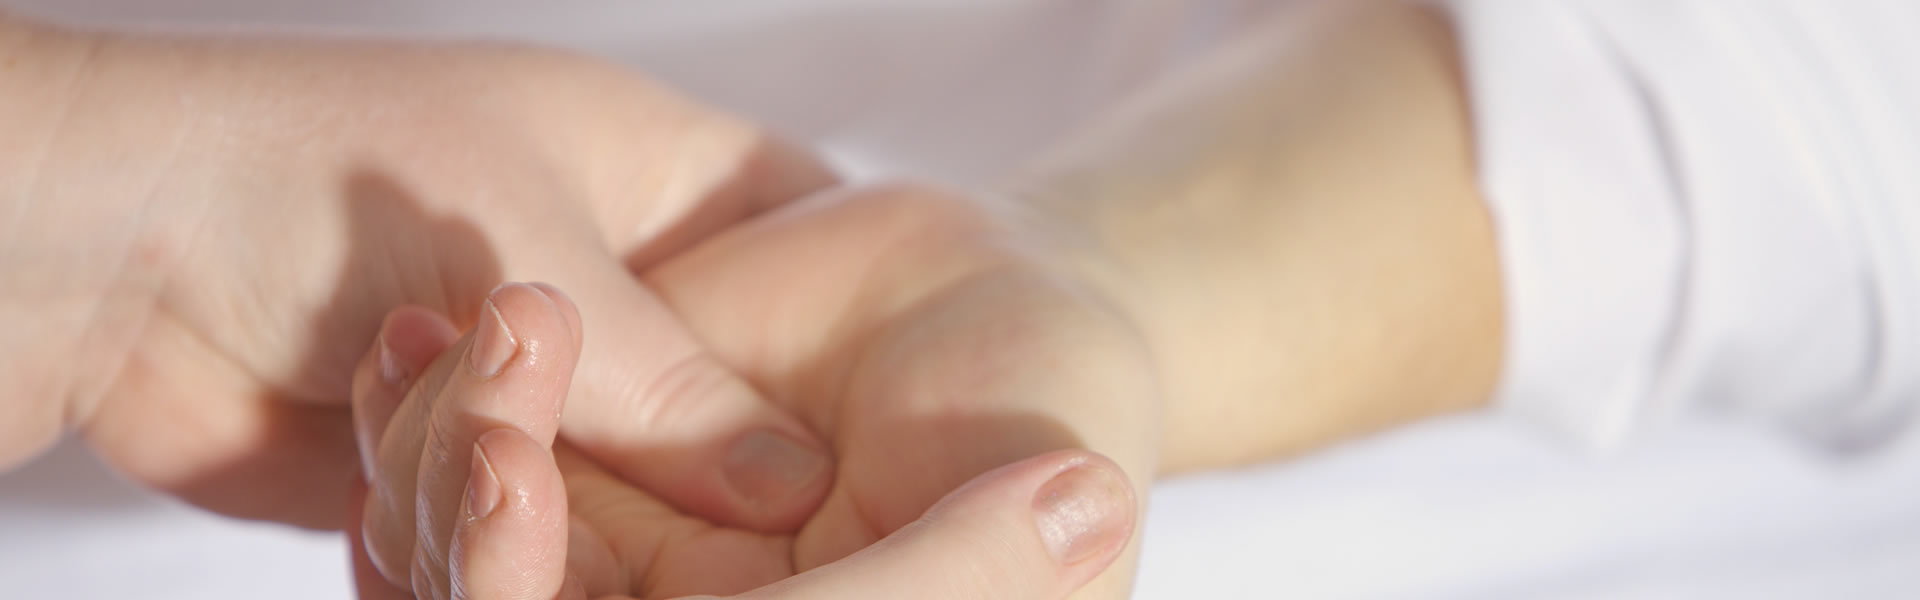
x,y
567,307
414,336
409,340
523,325
520,365
1079,505
1085,513
1039,528
517,548
517,463
778,478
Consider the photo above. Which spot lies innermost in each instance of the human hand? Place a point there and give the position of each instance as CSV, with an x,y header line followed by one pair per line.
x,y
1006,534
220,223
920,335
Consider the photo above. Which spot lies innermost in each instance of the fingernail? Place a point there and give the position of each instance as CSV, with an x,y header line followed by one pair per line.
x,y
493,343
483,486
561,301
1083,512
391,373
559,298
766,468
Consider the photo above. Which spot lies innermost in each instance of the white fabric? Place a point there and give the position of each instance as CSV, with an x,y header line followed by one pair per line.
x,y
1477,507
1705,207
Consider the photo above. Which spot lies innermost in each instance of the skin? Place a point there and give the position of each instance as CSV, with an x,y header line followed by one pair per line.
x,y
927,349
1294,225
999,536
1259,257
1262,256
203,233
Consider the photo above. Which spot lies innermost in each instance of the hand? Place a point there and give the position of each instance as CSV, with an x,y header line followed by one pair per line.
x,y
930,338
1006,534
221,223
928,342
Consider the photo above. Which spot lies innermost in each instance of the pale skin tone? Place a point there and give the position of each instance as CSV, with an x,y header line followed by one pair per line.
x,y
207,231
1293,254
1281,249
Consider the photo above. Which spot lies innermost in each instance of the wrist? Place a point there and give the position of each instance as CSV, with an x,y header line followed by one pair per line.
x,y
1305,251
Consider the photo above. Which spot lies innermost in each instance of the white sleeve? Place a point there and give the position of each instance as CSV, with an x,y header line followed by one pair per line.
x,y
1704,207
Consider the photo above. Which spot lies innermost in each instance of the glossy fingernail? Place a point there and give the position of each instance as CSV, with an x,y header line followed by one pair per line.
x,y
559,298
391,373
767,468
1082,512
493,342
483,485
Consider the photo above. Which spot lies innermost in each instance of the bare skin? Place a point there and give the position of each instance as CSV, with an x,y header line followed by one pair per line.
x,y
203,233
1277,251
1260,257
1296,227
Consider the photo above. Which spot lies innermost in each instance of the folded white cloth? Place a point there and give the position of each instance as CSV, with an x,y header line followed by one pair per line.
x,y
1705,207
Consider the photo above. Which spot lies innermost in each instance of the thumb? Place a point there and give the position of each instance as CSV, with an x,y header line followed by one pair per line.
x,y
1038,528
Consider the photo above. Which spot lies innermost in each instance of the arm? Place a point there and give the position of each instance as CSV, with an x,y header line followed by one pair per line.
x,y
1295,228
198,234
1258,243
62,258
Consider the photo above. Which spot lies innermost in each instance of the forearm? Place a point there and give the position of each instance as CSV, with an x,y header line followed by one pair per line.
x,y
61,255
1297,233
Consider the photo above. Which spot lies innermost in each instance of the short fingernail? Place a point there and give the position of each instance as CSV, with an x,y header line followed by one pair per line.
x,y
559,298
765,467
483,485
391,373
1083,512
493,342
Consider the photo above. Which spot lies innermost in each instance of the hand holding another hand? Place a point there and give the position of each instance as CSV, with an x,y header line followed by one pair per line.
x,y
906,325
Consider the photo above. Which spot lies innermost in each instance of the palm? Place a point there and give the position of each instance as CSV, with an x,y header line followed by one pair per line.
x,y
922,348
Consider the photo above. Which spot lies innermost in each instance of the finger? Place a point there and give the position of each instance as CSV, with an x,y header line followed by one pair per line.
x,y
567,307
511,540
388,525
517,366
771,173
368,583
410,338
653,406
1038,528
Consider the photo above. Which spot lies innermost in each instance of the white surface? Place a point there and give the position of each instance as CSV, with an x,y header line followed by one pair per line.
x,y
1479,507
1705,206
69,528
1471,508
